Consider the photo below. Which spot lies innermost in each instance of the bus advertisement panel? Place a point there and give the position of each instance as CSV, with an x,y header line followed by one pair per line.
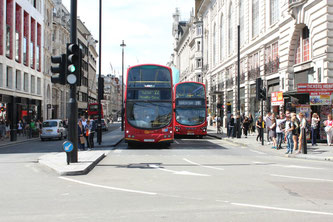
x,y
148,105
190,109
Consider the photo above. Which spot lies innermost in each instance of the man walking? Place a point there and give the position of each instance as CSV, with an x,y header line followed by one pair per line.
x,y
268,122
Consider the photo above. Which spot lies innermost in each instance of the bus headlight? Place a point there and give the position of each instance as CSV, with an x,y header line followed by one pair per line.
x,y
204,129
176,128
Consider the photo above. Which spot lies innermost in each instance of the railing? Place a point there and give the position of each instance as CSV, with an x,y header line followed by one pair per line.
x,y
272,66
254,73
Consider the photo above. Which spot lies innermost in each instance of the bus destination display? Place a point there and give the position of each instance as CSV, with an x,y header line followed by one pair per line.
x,y
149,95
189,102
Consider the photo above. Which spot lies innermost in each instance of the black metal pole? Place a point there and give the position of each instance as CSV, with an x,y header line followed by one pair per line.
x,y
262,122
73,114
99,124
122,87
305,147
239,130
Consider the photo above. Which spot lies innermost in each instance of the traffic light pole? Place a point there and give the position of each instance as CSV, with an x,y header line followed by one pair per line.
x,y
73,114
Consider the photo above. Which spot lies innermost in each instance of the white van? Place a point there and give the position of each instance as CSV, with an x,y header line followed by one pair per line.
x,y
53,128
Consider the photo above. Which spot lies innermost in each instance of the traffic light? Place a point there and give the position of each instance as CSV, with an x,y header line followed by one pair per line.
x,y
100,88
73,57
260,91
59,70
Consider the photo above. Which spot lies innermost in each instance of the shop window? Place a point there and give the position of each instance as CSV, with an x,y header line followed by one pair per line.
x,y
298,52
255,18
319,74
306,52
8,41
18,81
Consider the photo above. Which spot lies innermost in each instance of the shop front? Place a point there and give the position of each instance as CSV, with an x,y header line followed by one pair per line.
x,y
229,104
277,101
273,85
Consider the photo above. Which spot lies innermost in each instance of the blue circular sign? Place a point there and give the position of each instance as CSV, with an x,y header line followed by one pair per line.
x,y
67,146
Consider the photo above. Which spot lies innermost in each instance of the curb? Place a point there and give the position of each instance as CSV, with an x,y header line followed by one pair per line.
x,y
299,156
211,135
18,142
113,145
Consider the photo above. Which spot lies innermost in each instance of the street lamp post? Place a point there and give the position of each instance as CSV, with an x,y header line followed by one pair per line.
x,y
99,121
122,87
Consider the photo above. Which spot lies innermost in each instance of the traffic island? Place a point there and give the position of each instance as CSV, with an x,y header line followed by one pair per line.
x,y
87,160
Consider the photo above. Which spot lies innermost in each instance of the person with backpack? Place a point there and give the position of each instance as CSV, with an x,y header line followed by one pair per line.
x,y
280,127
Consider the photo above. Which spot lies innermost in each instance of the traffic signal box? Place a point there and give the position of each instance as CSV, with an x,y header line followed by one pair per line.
x,y
260,91
100,88
73,61
60,70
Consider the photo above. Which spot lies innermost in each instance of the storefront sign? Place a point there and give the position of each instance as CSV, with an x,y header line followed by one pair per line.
x,y
277,98
315,87
320,98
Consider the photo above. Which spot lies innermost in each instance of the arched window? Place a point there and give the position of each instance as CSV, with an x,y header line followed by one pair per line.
x,y
231,23
255,18
241,21
222,38
274,11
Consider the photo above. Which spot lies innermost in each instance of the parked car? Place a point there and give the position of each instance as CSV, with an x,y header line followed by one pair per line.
x,y
53,128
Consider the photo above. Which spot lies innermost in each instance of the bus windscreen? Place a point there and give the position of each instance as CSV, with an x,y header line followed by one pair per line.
x,y
149,77
190,90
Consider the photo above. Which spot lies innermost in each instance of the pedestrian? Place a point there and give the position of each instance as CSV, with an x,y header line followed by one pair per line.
x,y
272,132
89,133
81,139
84,121
231,126
259,125
252,127
238,126
295,130
302,132
19,127
314,128
7,129
246,125
2,130
268,123
329,129
289,136
214,121
280,127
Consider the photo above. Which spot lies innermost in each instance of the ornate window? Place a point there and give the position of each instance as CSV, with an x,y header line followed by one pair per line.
x,y
274,11
222,37
241,21
231,23
255,18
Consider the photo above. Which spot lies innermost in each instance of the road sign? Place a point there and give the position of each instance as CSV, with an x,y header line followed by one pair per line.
x,y
67,146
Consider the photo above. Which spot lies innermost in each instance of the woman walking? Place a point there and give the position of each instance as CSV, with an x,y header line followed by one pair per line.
x,y
246,125
302,132
314,128
329,129
295,130
259,124
272,132
80,133
251,126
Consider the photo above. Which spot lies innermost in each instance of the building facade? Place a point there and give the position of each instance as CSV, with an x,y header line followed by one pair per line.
x,y
21,60
284,42
111,105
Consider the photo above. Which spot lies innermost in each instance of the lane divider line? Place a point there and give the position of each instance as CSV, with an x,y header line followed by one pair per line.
x,y
302,178
108,187
255,151
198,164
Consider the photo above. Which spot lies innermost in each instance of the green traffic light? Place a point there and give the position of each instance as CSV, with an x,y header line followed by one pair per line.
x,y
71,68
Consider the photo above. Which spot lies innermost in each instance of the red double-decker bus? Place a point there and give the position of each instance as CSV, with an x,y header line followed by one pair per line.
x,y
93,110
148,105
190,109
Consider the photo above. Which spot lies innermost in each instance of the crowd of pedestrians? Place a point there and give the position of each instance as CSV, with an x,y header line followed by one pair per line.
x,y
86,133
286,128
24,129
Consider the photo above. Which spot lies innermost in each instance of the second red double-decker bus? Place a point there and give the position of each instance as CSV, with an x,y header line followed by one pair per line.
x,y
93,110
148,105
190,109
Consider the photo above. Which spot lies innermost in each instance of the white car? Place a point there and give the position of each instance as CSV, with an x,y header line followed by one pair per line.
x,y
53,128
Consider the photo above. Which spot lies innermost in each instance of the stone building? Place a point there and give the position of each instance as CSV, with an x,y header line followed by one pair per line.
x,y
284,42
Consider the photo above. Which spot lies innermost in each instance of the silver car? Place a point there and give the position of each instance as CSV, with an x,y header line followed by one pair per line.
x,y
53,129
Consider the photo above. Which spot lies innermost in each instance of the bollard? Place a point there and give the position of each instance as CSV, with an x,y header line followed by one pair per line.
x,y
304,147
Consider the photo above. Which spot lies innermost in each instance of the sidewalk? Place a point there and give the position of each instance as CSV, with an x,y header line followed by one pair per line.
x,y
320,152
212,132
87,160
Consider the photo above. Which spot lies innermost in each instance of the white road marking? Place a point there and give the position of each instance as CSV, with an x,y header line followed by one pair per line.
x,y
283,209
117,151
185,173
302,178
255,151
108,187
176,142
298,167
198,164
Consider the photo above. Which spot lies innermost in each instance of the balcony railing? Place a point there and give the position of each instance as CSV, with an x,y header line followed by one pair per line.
x,y
254,73
272,66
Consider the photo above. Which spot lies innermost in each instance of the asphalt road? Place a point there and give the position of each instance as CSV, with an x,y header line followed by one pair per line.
x,y
193,180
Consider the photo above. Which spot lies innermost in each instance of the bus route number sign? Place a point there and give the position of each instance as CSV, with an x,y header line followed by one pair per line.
x,y
189,103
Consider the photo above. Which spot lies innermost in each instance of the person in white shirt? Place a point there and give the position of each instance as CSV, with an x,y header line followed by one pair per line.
x,y
268,122
84,121
302,131
280,126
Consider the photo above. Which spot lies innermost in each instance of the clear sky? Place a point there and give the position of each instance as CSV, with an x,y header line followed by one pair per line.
x,y
144,25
